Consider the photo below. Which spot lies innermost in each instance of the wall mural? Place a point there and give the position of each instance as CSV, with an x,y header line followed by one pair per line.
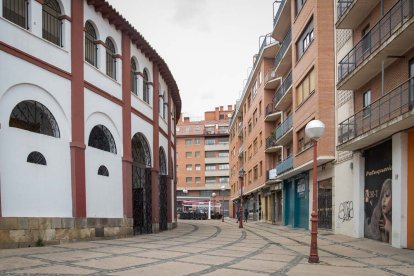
x,y
378,192
346,211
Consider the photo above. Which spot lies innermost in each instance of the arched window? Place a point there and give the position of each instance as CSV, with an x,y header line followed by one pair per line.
x,y
91,50
163,162
16,11
103,171
140,151
134,83
36,157
35,117
145,87
51,22
101,138
110,58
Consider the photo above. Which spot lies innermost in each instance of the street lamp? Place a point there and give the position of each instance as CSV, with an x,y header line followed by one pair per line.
x,y
213,195
241,179
314,130
223,188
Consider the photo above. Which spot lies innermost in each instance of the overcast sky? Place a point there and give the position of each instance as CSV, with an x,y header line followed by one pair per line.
x,y
207,44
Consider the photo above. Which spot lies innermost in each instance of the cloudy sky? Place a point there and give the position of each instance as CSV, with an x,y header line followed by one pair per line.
x,y
208,44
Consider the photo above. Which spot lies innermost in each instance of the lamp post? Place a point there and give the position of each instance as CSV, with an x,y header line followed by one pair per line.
x,y
314,130
223,188
213,195
185,192
241,179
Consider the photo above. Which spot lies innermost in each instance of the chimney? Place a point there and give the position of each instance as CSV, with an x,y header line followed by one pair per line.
x,y
217,109
229,107
186,119
221,108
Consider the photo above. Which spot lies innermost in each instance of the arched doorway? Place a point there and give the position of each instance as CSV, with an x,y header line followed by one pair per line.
x,y
163,191
141,185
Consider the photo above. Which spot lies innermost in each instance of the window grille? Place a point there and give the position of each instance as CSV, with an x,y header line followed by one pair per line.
x,y
36,157
51,22
163,162
91,50
35,117
16,11
110,59
101,138
145,86
140,151
103,171
134,83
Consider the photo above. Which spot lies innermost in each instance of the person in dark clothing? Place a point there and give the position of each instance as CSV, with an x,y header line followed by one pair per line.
x,y
246,215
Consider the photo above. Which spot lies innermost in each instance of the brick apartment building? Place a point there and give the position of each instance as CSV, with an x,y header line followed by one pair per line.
x,y
375,71
203,162
291,83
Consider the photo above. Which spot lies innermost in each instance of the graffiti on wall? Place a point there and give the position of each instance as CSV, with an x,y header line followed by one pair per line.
x,y
346,211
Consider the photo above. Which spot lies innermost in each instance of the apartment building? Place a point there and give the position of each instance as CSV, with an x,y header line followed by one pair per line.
x,y
375,97
294,75
87,136
203,162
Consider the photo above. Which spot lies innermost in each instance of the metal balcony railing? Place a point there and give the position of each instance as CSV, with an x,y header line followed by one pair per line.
x,y
342,7
241,149
271,174
284,127
283,48
285,165
390,23
264,41
271,141
393,104
281,91
276,14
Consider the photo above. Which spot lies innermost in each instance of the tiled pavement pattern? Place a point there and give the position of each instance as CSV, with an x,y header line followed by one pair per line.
x,y
212,248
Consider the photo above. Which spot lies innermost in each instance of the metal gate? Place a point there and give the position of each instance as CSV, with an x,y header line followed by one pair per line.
x,y
325,204
163,202
141,200
141,185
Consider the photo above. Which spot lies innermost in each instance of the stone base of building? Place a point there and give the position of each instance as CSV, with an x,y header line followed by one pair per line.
x,y
28,231
155,228
174,224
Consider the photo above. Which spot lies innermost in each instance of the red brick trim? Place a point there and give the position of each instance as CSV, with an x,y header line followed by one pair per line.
x,y
65,17
41,1
141,115
34,60
102,93
156,148
163,132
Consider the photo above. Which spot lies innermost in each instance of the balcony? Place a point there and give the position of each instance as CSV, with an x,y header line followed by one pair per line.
x,y
240,129
215,132
392,36
351,13
271,81
268,46
241,149
391,113
271,113
271,144
284,131
271,174
216,147
283,58
217,173
283,98
285,165
216,160
281,18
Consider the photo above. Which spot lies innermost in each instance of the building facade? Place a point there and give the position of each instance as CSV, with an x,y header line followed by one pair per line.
x,y
87,125
294,76
203,163
375,97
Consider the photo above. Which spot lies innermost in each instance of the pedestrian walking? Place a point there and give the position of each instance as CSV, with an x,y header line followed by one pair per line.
x,y
246,215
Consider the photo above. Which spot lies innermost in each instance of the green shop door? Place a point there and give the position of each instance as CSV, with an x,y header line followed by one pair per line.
x,y
289,202
301,203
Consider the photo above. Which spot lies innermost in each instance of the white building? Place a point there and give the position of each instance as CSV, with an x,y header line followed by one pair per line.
x,y
87,125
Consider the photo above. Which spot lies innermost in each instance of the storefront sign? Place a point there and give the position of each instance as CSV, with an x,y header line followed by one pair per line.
x,y
378,192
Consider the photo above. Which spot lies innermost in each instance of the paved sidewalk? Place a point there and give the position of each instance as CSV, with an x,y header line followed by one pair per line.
x,y
212,248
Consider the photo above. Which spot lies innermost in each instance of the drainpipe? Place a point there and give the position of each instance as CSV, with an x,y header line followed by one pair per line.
x,y
382,74
382,8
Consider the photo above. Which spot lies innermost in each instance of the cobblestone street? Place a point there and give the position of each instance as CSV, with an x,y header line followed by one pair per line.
x,y
213,248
